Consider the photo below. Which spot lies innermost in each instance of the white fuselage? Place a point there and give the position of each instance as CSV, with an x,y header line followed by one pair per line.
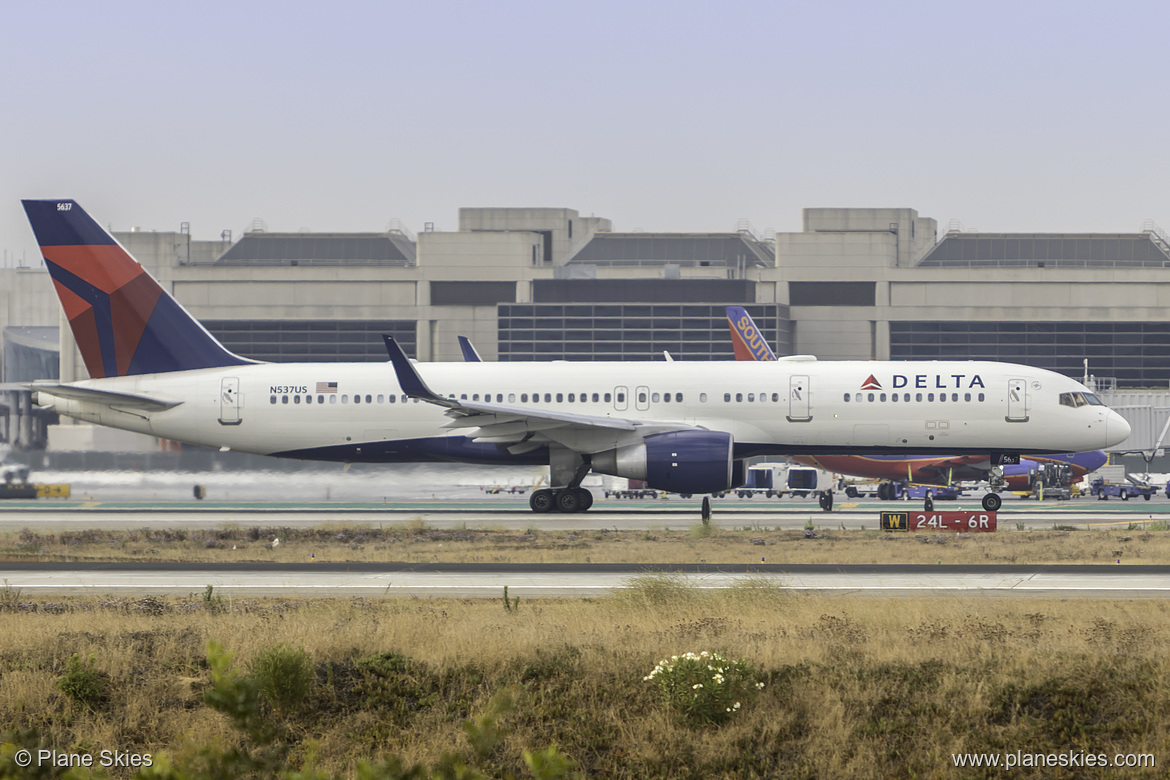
x,y
309,410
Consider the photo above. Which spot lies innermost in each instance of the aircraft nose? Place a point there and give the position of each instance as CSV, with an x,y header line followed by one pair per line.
x,y
1117,429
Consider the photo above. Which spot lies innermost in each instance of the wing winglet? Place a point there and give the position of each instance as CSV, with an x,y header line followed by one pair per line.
x,y
470,355
408,377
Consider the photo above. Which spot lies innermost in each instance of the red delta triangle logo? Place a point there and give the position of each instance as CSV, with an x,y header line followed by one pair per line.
x,y
871,384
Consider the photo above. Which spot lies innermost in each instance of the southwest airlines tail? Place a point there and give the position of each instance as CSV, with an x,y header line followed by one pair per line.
x,y
749,343
124,323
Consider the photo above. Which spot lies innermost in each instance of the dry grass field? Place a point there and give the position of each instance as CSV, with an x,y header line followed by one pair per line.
x,y
853,688
416,542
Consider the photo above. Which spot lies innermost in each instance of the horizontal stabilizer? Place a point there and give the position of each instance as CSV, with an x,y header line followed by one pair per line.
x,y
143,403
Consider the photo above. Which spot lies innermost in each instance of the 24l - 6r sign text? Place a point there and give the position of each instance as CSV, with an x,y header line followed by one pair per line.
x,y
966,522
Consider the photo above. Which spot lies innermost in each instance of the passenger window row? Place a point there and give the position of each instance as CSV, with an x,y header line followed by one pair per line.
x,y
905,397
357,399
1067,399
751,397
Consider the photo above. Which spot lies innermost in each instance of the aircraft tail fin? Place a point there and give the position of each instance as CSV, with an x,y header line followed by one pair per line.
x,y
123,321
746,338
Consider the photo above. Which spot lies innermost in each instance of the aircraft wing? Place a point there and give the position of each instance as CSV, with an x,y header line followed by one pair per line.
x,y
520,428
142,403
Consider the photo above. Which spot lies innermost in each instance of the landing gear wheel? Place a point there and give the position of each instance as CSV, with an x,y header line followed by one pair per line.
x,y
586,500
706,507
826,501
568,500
992,502
541,500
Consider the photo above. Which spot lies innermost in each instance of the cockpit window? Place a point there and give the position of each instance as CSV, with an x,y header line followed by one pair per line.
x,y
1079,399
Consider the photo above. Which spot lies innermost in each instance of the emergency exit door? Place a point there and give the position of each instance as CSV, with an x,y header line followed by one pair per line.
x,y
798,399
1017,400
230,402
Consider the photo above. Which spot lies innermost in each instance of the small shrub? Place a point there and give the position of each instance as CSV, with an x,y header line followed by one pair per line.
x,y
83,684
9,598
284,676
757,589
212,602
657,590
705,687
511,605
703,530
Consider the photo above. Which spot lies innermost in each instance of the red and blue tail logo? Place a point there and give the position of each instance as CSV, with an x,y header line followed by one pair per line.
x,y
124,323
746,338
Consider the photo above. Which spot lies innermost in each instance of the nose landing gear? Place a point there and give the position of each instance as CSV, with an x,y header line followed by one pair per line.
x,y
992,502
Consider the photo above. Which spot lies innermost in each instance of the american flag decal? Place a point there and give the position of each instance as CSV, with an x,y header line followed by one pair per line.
x,y
326,387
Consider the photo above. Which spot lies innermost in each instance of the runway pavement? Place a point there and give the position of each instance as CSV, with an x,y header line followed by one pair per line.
x,y
507,512
573,579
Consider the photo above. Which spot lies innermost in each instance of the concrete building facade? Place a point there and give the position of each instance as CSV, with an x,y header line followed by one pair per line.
x,y
548,284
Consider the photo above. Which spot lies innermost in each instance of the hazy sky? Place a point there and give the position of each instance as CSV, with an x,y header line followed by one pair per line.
x,y
675,116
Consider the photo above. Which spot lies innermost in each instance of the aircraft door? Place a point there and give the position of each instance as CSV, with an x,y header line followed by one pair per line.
x,y
798,399
642,398
621,400
1017,400
230,402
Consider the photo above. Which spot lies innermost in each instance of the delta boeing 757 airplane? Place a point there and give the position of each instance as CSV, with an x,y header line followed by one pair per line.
x,y
682,427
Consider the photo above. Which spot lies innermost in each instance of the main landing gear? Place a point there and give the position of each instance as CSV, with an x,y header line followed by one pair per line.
x,y
566,471
566,500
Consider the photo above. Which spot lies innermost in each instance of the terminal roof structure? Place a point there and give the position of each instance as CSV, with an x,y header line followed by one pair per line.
x,y
320,249
1049,250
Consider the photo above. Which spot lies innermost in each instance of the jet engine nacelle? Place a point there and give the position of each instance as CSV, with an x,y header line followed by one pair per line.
x,y
680,462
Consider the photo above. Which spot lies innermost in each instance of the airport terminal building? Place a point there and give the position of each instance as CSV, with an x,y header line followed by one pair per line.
x,y
548,284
